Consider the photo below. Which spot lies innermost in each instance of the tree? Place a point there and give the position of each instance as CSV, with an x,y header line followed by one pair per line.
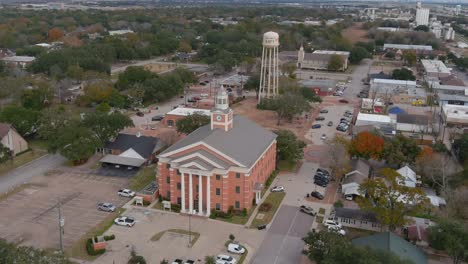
x,y
288,146
23,120
103,107
132,75
400,150
358,54
253,84
5,153
36,99
409,56
99,91
55,34
289,104
330,248
210,260
389,200
367,145
339,161
190,123
460,147
422,28
105,126
51,122
310,95
76,143
450,236
288,68
335,63
403,74
10,253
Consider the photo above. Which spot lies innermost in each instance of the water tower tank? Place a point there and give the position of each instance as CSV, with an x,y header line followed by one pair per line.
x,y
270,39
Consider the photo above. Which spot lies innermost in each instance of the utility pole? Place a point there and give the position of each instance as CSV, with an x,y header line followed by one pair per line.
x,y
61,225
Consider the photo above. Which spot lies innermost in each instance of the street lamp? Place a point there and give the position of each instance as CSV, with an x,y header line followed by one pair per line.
x,y
190,230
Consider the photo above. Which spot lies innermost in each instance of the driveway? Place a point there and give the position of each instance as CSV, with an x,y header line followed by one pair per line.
x,y
116,172
283,242
24,173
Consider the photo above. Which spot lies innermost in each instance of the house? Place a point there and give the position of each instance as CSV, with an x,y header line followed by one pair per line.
x,y
171,118
319,59
390,242
416,230
120,32
353,179
235,82
357,218
218,166
11,139
433,198
413,123
410,179
131,150
18,61
4,52
374,119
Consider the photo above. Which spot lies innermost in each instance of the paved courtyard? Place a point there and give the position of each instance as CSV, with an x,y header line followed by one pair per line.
x,y
36,216
213,235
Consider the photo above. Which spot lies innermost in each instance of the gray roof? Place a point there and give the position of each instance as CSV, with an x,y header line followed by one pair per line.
x,y
390,242
125,161
413,119
321,57
143,145
356,214
207,154
361,166
359,173
454,97
244,143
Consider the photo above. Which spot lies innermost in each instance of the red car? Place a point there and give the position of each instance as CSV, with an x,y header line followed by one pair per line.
x,y
344,101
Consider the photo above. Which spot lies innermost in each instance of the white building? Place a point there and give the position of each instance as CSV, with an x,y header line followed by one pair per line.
x,y
388,29
457,10
422,15
409,177
390,86
120,32
435,68
319,59
455,115
413,123
18,61
373,119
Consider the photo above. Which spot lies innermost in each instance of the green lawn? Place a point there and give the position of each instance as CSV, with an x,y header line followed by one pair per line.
x,y
275,200
78,250
353,233
20,160
238,219
321,211
284,165
144,177
195,235
319,219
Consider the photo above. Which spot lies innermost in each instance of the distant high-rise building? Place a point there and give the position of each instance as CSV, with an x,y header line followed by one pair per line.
x,y
422,15
457,10
269,71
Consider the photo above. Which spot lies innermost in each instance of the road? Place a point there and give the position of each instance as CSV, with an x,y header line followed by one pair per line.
x,y
355,86
24,173
283,243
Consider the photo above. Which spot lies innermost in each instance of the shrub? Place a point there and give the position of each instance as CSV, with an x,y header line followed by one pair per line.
x,y
270,179
265,207
160,198
135,259
232,237
230,210
111,237
440,147
338,204
244,212
175,207
90,248
213,215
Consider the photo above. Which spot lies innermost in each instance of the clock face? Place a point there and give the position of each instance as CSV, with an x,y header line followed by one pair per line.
x,y
218,118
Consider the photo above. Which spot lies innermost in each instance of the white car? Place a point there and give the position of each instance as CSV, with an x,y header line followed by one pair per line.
x,y
330,222
337,230
126,193
236,248
277,189
177,261
225,259
323,137
125,221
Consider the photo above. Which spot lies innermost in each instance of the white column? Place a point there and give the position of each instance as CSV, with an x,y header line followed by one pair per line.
x,y
200,195
190,194
182,182
208,196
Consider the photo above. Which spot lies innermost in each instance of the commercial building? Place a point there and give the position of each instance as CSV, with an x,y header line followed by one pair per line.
x,y
448,89
319,59
435,68
390,87
419,49
120,32
452,99
412,96
219,166
373,119
422,15
18,61
320,87
235,82
413,123
455,116
171,118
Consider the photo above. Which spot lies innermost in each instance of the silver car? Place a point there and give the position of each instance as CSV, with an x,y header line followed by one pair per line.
x,y
106,207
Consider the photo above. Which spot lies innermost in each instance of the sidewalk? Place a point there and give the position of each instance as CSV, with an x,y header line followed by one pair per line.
x,y
254,213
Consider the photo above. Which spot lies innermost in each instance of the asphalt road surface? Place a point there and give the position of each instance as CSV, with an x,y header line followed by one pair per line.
x,y
24,173
283,244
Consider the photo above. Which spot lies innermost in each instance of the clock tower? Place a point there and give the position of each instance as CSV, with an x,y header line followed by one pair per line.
x,y
221,114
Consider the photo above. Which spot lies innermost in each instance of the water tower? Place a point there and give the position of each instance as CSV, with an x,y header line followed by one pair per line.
x,y
269,70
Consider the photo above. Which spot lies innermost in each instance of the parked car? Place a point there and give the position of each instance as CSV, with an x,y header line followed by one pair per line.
x,y
177,261
323,111
323,137
277,189
126,193
331,222
336,229
317,195
261,227
316,126
189,261
320,118
157,118
344,101
330,123
308,210
324,171
225,259
139,113
191,100
125,221
106,207
196,98
321,177
320,183
236,248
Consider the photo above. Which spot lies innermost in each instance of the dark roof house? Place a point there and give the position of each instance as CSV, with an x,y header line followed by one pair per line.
x,y
390,242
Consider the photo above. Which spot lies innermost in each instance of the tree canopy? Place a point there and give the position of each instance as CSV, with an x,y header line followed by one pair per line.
x,y
288,146
450,236
106,126
24,120
9,253
190,123
336,63
367,145
403,74
389,200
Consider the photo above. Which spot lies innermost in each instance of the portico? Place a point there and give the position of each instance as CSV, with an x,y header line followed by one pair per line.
x,y
190,174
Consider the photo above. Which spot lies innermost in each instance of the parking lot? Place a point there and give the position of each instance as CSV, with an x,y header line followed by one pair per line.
x,y
213,235
116,172
35,212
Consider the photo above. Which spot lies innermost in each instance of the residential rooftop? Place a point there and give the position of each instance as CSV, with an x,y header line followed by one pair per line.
x,y
19,58
391,81
185,111
435,66
407,47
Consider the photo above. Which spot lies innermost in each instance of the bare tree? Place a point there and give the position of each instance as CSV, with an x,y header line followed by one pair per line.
x,y
339,160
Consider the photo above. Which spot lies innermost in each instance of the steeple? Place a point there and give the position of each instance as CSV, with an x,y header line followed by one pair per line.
x,y
221,114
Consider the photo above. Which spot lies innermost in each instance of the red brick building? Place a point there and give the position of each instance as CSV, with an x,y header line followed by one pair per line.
x,y
220,165
171,118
